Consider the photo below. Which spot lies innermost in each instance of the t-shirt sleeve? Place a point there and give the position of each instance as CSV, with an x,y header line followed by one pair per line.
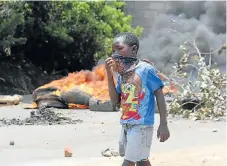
x,y
153,80
118,86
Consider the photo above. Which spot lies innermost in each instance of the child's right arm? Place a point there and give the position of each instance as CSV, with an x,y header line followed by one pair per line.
x,y
114,95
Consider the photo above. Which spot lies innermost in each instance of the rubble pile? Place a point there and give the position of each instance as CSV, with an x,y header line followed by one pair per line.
x,y
42,116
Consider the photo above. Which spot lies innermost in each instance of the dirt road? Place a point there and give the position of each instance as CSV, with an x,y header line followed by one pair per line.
x,y
194,143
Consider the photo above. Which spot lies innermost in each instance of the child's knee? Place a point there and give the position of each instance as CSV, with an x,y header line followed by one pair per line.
x,y
143,163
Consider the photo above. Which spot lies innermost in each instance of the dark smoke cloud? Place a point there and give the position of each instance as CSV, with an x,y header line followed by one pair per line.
x,y
203,21
215,16
189,9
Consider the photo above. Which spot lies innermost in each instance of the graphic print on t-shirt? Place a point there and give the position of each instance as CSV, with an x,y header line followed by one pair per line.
x,y
131,95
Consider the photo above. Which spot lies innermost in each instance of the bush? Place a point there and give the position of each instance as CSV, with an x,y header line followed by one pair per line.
x,y
67,35
10,19
208,86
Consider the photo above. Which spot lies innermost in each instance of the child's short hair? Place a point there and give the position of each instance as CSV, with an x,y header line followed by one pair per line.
x,y
129,38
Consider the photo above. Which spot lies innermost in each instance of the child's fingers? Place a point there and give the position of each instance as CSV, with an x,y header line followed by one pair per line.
x,y
110,58
162,138
110,62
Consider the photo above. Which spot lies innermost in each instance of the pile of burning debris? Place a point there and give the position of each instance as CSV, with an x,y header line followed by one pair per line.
x,y
81,90
42,116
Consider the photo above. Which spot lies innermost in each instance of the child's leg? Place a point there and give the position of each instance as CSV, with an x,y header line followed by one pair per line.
x,y
139,140
143,163
122,146
140,163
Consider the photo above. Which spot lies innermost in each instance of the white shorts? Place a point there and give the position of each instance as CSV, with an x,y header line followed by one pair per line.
x,y
135,142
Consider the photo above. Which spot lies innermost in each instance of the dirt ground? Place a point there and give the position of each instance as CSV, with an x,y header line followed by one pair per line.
x,y
192,143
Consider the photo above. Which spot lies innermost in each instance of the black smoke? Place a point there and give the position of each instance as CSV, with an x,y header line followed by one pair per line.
x,y
204,21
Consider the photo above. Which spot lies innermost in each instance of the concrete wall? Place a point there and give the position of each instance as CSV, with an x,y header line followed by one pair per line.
x,y
144,12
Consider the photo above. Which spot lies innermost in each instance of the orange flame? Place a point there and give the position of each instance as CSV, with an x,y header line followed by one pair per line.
x,y
92,82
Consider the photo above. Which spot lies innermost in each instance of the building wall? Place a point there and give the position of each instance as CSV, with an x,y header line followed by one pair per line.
x,y
144,12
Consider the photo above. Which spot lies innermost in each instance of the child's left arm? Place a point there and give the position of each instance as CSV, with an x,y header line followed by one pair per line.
x,y
163,131
155,84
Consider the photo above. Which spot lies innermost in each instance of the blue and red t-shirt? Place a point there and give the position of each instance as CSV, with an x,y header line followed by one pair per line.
x,y
137,94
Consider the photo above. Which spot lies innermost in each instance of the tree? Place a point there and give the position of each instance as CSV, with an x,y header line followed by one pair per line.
x,y
10,20
69,35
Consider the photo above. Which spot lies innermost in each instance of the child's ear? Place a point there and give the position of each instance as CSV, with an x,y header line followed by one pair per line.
x,y
134,49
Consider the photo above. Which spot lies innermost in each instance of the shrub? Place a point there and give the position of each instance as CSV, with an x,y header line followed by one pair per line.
x,y
208,86
69,34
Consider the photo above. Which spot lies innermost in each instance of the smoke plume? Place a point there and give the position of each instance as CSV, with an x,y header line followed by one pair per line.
x,y
204,22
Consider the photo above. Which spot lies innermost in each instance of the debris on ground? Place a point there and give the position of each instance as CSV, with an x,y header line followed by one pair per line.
x,y
42,116
11,143
68,152
11,100
109,153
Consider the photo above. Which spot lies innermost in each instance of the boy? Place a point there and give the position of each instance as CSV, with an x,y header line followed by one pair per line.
x,y
137,84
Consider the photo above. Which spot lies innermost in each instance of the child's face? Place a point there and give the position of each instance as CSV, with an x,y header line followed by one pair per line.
x,y
119,47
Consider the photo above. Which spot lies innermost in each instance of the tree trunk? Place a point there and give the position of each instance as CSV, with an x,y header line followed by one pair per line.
x,y
10,100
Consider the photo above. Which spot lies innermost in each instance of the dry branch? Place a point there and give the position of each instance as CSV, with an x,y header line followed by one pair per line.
x,y
208,90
